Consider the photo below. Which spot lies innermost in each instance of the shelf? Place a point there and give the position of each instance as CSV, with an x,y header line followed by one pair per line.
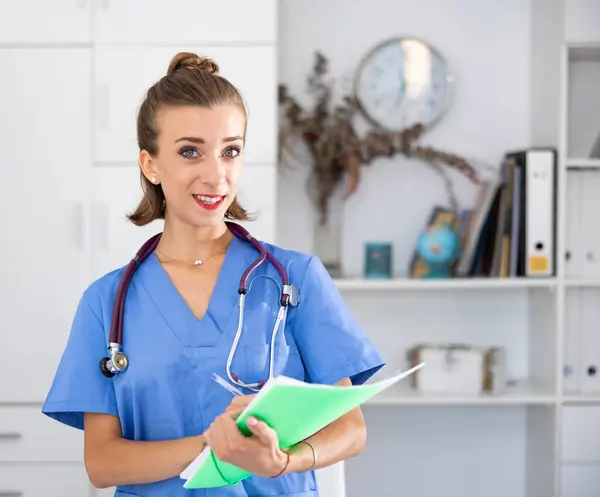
x,y
581,399
514,396
443,284
583,163
592,283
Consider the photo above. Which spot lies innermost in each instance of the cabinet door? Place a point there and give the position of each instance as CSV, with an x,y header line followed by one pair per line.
x,y
581,21
41,21
124,74
580,480
580,435
186,21
44,480
45,156
115,240
26,435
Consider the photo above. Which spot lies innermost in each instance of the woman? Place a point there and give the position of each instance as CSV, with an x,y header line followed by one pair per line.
x,y
145,425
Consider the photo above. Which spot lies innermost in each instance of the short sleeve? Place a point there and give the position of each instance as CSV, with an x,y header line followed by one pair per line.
x,y
332,344
78,384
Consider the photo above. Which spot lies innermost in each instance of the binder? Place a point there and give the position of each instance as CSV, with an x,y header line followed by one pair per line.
x,y
538,211
589,345
572,367
295,410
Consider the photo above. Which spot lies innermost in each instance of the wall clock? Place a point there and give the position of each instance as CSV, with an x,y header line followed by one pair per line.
x,y
402,82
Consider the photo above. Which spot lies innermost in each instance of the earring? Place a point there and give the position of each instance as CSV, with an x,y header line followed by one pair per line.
x,y
153,180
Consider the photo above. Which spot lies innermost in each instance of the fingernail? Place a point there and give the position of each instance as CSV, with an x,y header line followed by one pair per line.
x,y
252,421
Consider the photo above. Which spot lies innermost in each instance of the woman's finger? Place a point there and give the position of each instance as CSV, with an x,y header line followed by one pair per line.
x,y
266,435
240,402
233,410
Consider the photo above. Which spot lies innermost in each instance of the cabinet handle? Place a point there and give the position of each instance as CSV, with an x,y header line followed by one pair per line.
x,y
10,436
99,221
77,225
9,493
102,96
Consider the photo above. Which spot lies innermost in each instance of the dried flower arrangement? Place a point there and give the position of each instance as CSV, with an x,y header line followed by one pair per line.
x,y
336,148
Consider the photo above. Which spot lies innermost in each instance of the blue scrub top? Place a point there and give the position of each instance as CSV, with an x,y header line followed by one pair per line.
x,y
167,391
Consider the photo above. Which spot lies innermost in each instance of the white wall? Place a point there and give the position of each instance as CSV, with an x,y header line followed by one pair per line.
x,y
487,46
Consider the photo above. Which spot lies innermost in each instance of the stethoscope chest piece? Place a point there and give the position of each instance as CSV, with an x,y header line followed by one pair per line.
x,y
116,363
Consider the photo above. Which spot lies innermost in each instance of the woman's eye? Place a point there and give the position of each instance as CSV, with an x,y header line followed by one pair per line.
x,y
189,153
232,152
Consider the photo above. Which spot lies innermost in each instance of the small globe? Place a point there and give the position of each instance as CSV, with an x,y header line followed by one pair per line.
x,y
438,245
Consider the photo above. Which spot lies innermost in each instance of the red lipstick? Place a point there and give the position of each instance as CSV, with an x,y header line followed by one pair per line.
x,y
209,202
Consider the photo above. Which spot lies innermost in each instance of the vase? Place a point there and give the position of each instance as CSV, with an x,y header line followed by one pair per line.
x,y
328,234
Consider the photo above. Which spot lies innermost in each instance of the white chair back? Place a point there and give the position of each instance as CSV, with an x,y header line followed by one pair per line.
x,y
331,480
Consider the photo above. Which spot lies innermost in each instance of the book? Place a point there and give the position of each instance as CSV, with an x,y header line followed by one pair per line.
x,y
295,410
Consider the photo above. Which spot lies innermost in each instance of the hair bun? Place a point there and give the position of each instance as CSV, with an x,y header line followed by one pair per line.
x,y
188,60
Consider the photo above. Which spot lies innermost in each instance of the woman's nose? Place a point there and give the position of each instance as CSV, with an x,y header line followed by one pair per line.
x,y
213,172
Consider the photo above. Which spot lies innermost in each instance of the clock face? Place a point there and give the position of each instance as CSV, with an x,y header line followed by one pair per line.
x,y
403,82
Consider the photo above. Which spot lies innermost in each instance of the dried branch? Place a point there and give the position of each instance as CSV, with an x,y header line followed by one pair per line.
x,y
337,150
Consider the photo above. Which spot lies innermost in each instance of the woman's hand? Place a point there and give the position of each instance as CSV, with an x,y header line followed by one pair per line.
x,y
258,453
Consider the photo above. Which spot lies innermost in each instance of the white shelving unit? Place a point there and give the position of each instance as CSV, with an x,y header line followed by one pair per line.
x,y
489,444
541,437
578,432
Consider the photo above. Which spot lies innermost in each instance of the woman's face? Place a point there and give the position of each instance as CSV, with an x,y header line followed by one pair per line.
x,y
199,161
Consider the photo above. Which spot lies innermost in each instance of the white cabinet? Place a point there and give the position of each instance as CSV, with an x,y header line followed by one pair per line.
x,y
580,435
26,435
114,239
45,159
41,21
69,160
580,481
582,18
124,74
45,480
154,22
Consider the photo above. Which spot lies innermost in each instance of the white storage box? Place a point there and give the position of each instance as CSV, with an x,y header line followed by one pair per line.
x,y
458,369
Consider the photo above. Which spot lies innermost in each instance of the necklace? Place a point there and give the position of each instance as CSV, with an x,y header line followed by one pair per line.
x,y
198,262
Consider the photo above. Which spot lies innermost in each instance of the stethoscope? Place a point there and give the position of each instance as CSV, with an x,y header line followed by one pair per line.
x,y
118,362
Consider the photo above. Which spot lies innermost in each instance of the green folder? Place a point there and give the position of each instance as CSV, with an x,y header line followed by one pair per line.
x,y
295,410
